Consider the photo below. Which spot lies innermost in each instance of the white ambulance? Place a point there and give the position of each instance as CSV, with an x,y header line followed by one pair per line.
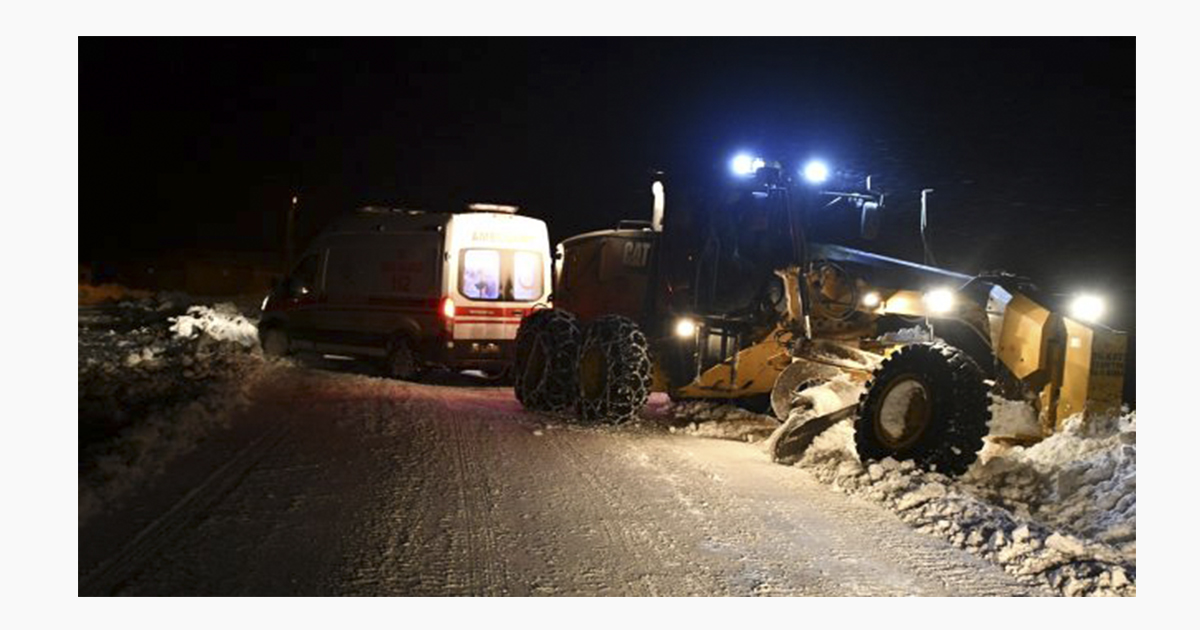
x,y
413,288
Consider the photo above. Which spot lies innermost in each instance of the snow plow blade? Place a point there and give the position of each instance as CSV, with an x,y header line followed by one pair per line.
x,y
789,442
829,395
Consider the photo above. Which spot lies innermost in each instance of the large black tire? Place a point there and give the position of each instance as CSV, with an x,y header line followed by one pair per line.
x,y
926,402
544,369
401,361
614,370
275,341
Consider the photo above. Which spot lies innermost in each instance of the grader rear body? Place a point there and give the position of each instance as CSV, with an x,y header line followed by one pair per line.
x,y
739,294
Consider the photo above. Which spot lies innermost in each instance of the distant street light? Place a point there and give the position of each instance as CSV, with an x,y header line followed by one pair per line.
x,y
291,233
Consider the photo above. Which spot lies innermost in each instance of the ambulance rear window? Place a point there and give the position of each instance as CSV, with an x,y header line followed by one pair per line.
x,y
527,276
500,275
481,274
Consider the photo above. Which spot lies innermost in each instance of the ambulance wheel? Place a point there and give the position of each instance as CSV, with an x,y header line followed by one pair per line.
x,y
401,362
275,342
544,369
926,402
614,370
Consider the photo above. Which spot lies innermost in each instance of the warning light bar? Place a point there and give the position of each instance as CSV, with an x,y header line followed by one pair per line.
x,y
492,207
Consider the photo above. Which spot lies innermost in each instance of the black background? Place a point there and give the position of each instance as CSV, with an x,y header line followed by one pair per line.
x,y
200,143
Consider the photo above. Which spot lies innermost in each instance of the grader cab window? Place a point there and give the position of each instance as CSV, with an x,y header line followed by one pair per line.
x,y
749,237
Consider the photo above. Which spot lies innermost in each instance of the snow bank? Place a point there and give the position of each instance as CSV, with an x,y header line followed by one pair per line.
x,y
153,381
1082,479
221,322
1060,513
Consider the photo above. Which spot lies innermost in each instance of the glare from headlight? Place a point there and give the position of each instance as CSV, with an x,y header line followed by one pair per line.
x,y
1086,307
685,328
816,172
264,304
939,301
744,164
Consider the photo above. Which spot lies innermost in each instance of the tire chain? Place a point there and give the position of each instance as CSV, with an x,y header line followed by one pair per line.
x,y
627,368
557,332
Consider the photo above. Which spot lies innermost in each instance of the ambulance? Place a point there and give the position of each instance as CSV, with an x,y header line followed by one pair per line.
x,y
413,289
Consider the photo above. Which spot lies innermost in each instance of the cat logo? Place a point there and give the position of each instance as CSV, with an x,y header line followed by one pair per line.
x,y
635,254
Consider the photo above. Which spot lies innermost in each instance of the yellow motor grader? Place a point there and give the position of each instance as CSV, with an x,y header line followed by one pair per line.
x,y
739,294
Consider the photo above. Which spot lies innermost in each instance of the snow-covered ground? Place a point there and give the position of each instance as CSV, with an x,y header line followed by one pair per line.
x,y
156,374
374,486
1061,512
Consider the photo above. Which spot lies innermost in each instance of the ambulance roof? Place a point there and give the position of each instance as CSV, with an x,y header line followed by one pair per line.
x,y
383,219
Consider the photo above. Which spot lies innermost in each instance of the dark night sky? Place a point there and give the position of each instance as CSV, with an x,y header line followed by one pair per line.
x,y
200,142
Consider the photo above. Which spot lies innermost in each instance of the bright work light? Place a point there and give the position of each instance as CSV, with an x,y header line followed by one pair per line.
x,y
816,172
685,328
1086,308
744,164
939,301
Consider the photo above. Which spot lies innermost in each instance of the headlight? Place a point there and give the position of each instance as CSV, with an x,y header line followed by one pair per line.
x,y
685,328
816,172
939,301
1086,308
743,164
871,299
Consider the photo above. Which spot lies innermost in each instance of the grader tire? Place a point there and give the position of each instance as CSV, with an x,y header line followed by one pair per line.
x,y
544,371
614,370
926,402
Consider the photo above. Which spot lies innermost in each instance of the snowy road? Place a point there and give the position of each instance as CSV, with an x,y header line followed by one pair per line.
x,y
340,484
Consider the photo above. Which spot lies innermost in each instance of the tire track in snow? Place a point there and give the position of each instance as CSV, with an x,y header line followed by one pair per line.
x,y
111,574
852,547
474,494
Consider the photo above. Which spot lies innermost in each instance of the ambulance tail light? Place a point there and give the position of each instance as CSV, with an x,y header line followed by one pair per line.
x,y
447,309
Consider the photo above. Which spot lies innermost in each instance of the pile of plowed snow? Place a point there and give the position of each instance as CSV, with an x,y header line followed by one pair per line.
x,y
706,419
1061,512
154,379
221,322
1082,479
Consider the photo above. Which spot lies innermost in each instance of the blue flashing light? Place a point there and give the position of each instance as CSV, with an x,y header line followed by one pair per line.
x,y
744,164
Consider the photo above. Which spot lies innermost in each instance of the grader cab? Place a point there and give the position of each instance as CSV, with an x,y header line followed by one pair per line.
x,y
732,293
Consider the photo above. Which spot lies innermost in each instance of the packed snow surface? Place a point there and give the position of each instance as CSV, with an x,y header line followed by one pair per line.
x,y
1061,512
343,484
